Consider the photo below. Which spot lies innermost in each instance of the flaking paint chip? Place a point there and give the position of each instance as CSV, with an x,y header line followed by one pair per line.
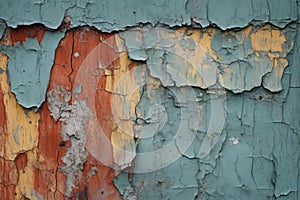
x,y
76,54
234,140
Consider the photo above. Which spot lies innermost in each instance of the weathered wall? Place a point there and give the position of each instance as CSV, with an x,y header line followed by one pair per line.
x,y
187,99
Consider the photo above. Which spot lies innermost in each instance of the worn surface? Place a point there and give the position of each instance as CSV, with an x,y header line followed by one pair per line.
x,y
115,15
188,99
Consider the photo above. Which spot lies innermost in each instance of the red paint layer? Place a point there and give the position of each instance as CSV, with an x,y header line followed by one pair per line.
x,y
21,33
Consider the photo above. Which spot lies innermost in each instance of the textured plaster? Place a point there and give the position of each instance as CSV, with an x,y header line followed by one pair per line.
x,y
74,121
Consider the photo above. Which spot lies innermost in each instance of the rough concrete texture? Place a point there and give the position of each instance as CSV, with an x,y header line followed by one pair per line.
x,y
188,99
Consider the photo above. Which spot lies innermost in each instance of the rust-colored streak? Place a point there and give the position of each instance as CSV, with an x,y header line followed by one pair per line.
x,y
8,170
41,165
3,128
97,182
21,161
90,48
8,179
62,64
21,33
2,117
96,179
49,180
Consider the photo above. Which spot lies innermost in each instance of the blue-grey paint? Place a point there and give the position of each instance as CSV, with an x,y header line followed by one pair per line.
x,y
237,65
78,89
257,154
29,67
74,122
294,62
262,164
2,28
112,15
16,135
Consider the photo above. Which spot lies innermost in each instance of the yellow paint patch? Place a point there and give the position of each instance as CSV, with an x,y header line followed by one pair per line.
x,y
125,85
22,127
25,185
206,40
196,68
192,60
266,39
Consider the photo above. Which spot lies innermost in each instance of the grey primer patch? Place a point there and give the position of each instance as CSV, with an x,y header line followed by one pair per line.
x,y
29,68
74,121
36,194
16,135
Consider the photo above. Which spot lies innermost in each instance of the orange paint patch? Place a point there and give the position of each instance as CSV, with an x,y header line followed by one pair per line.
x,y
21,33
62,68
21,161
70,56
8,179
93,50
49,181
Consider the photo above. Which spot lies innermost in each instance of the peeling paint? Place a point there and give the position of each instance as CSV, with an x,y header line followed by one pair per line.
x,y
2,28
193,99
16,117
110,16
29,68
26,182
74,118
263,50
16,135
241,60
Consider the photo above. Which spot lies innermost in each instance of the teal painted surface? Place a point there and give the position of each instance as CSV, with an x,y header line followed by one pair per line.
x,y
263,164
2,28
115,15
29,68
235,56
257,153
110,15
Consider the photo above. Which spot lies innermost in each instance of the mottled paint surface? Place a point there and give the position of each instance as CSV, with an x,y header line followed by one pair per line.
x,y
191,99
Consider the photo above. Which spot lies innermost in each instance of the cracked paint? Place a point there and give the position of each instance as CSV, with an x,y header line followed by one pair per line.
x,y
29,75
116,99
115,15
238,63
16,118
73,119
